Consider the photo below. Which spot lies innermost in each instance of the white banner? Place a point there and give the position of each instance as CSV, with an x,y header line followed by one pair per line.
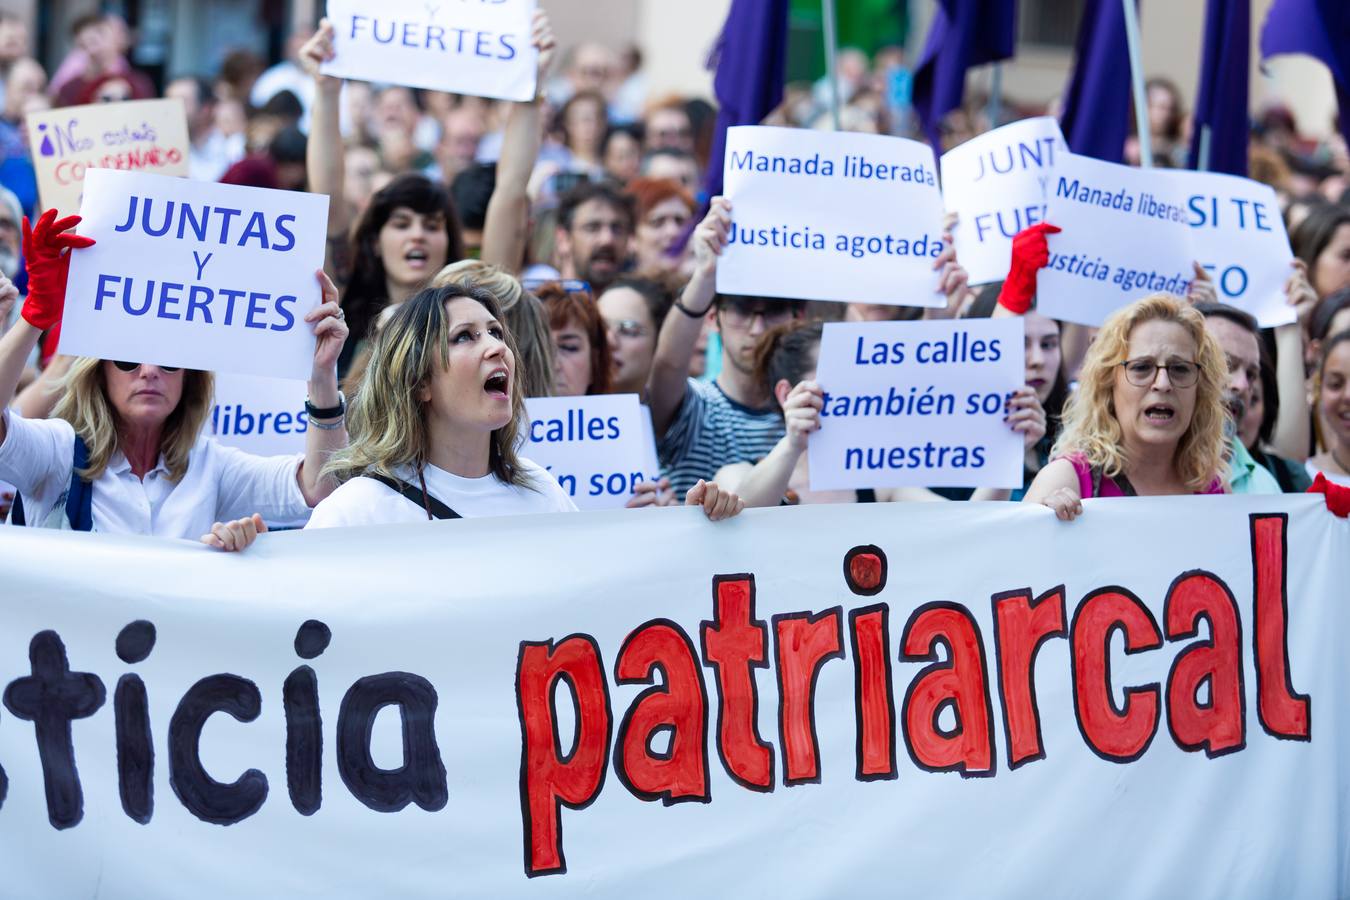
x,y
1126,234
480,47
136,135
195,274
473,708
265,416
595,446
918,404
831,216
997,184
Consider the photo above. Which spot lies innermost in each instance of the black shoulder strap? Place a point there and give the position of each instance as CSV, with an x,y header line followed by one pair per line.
x,y
1120,481
435,508
866,495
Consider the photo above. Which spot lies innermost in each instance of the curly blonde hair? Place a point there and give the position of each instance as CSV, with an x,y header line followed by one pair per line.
x,y
1090,425
387,421
84,404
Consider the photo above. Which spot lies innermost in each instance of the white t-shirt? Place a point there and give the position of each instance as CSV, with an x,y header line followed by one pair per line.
x,y
1331,476
365,501
221,483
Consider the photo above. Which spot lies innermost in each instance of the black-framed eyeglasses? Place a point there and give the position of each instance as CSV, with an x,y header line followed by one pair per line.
x,y
132,367
1143,372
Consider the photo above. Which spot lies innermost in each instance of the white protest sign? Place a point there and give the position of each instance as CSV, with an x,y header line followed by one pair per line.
x,y
841,700
478,47
593,445
1238,235
996,184
831,216
195,274
918,404
265,416
1126,234
135,135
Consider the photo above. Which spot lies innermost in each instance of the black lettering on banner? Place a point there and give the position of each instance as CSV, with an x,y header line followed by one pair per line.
x,y
304,724
421,778
207,799
131,709
51,698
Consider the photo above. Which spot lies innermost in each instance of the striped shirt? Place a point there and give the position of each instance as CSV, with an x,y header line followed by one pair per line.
x,y
710,431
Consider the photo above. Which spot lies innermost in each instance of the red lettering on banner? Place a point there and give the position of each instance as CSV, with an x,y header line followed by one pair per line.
x,y
1118,735
678,708
959,682
802,644
734,644
1283,713
1218,724
873,696
550,778
1021,625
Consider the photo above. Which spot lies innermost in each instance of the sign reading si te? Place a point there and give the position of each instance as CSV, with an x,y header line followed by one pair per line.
x,y
265,416
478,47
595,446
996,185
918,404
939,700
195,274
1238,235
136,135
831,216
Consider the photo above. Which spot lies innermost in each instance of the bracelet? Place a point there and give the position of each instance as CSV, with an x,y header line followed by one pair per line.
x,y
689,312
328,426
330,412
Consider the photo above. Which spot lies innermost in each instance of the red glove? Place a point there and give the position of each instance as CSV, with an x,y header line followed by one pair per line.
x,y
1337,495
1030,253
48,266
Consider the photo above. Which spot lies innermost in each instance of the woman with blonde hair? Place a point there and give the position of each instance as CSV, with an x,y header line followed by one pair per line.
x,y
1148,417
438,420
123,452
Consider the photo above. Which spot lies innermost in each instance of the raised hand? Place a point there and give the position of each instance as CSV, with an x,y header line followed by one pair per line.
x,y
1030,254
45,247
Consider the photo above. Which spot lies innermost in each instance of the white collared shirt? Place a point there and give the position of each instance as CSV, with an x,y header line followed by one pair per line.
x,y
221,483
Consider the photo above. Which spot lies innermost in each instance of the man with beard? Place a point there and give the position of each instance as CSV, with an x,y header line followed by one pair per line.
x,y
1239,335
595,225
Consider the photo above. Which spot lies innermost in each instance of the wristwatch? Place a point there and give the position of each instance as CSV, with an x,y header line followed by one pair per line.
x,y
330,412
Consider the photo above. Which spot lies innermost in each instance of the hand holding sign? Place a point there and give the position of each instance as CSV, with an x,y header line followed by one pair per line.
x,y
317,51
45,247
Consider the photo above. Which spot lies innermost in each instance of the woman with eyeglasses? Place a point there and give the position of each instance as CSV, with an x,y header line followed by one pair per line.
x,y
633,309
1148,416
123,452
438,423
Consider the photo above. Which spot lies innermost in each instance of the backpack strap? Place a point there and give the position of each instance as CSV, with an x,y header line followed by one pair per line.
x,y
435,508
80,497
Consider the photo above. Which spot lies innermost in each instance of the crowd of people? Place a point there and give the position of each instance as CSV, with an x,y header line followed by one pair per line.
x,y
482,252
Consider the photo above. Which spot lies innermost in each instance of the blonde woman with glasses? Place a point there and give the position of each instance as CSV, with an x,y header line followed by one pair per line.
x,y
123,452
1148,418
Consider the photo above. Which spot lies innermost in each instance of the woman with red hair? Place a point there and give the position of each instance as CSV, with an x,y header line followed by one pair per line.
x,y
663,211
581,356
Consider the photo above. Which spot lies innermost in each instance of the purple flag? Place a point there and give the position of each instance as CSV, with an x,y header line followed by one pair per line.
x,y
1096,116
1222,102
750,57
1320,29
964,33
